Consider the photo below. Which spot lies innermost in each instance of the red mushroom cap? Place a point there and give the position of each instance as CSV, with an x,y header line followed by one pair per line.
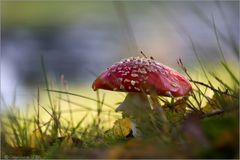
x,y
143,75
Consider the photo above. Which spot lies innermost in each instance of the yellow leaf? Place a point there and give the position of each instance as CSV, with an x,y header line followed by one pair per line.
x,y
122,127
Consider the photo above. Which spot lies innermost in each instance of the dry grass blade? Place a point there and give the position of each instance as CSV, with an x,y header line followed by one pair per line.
x,y
218,40
78,95
236,80
65,84
212,88
143,54
79,124
198,59
46,80
85,108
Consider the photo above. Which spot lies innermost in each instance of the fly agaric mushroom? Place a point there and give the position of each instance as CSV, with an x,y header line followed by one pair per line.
x,y
140,77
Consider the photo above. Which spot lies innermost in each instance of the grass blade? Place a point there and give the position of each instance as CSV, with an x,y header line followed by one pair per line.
x,y
78,95
46,80
230,73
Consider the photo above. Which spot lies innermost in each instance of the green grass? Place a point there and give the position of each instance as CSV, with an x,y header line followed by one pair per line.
x,y
50,130
76,123
67,124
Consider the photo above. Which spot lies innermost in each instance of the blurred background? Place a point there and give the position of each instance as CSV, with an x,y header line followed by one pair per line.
x,y
81,39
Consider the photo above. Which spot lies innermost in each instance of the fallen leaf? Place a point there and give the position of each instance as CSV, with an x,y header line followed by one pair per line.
x,y
122,127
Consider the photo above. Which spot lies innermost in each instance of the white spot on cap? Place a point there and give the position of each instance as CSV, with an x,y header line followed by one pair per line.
x,y
135,66
119,80
121,71
119,68
122,87
134,75
126,80
142,71
145,78
138,89
174,84
133,82
134,71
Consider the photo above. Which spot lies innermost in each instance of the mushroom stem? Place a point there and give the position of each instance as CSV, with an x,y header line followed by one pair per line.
x,y
133,103
156,106
137,106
